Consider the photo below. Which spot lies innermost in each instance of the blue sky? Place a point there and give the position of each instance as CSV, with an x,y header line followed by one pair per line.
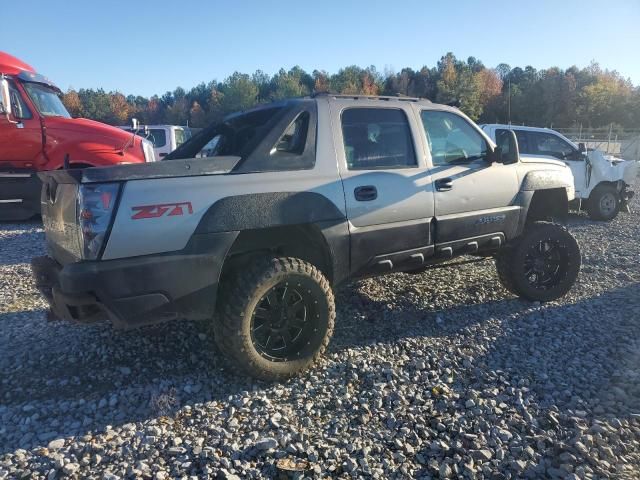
x,y
146,47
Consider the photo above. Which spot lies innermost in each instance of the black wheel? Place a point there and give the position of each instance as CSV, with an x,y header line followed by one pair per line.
x,y
542,265
276,318
604,203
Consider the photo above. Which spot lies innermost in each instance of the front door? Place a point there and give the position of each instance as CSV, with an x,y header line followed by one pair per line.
x,y
21,133
474,200
388,195
550,145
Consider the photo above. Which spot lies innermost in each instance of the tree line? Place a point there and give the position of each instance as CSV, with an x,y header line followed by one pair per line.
x,y
590,97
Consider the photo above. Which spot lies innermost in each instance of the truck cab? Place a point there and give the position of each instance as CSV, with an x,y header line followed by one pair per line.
x,y
602,184
38,134
165,138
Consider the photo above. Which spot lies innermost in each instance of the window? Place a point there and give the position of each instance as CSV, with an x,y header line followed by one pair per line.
x,y
18,107
377,138
452,140
524,145
182,136
294,138
157,136
238,136
46,100
551,145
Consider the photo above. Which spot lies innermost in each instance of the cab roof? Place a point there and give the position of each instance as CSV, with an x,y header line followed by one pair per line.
x,y
10,65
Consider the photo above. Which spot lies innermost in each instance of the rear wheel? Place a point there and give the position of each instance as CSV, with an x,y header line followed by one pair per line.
x,y
604,203
542,265
277,318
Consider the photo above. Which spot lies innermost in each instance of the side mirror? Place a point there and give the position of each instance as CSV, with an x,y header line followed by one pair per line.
x,y
507,150
513,156
582,148
5,97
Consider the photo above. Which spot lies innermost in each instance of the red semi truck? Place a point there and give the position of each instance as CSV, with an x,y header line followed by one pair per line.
x,y
37,133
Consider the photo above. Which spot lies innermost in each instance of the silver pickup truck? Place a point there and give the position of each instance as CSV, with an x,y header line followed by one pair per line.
x,y
294,199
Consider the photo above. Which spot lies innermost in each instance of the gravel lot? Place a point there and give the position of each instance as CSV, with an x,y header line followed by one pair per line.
x,y
440,375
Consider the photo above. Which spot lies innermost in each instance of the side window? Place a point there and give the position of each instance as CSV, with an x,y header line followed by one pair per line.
x,y
18,107
181,136
451,139
524,145
377,138
551,145
157,136
294,138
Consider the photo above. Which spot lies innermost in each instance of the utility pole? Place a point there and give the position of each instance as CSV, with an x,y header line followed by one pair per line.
x,y
509,104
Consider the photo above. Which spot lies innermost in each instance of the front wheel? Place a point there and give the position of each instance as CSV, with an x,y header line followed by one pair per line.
x,y
541,265
604,203
277,318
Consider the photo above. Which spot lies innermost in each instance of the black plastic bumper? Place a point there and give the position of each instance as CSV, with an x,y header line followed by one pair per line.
x,y
19,194
137,291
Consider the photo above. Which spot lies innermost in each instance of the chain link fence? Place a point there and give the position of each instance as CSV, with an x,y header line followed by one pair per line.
x,y
619,142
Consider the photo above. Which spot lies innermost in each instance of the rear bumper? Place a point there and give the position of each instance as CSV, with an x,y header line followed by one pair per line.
x,y
19,194
137,291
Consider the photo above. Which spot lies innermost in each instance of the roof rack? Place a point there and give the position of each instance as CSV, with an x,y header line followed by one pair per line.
x,y
356,96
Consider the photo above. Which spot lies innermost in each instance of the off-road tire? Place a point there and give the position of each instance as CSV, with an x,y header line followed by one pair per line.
x,y
603,195
243,293
511,261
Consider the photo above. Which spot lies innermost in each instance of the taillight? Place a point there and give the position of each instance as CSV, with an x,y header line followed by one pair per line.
x,y
96,206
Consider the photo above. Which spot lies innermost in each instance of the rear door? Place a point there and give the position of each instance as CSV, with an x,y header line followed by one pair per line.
x,y
387,187
474,200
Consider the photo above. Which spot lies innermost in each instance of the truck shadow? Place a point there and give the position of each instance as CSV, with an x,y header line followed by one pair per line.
x,y
99,377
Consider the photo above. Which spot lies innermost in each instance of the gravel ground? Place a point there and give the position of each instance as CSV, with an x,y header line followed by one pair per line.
x,y
439,375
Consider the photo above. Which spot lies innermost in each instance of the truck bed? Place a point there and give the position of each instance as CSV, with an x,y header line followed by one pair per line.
x,y
140,171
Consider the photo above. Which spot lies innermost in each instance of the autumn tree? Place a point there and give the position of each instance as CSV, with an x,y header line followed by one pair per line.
x,y
72,102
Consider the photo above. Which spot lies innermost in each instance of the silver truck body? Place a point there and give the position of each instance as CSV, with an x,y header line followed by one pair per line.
x,y
178,222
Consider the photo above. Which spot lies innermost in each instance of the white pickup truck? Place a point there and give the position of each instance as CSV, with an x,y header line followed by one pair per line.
x,y
165,138
601,182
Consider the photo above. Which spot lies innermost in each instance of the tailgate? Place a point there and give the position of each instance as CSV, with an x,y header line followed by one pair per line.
x,y
58,199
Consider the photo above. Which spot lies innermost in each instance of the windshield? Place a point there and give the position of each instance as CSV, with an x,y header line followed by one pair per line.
x,y
46,100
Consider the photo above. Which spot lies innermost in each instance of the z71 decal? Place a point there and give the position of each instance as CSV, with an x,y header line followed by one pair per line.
x,y
164,209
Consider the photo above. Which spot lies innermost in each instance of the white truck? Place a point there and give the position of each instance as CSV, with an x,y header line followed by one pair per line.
x,y
165,138
602,183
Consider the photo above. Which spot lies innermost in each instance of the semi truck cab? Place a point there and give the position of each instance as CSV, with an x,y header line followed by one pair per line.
x,y
37,133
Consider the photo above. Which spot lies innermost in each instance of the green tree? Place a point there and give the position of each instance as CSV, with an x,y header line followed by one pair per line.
x,y
239,92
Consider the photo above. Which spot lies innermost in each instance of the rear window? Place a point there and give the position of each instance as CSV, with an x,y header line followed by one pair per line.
x,y
236,136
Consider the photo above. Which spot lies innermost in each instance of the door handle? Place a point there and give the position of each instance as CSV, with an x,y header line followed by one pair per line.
x,y
365,193
444,184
